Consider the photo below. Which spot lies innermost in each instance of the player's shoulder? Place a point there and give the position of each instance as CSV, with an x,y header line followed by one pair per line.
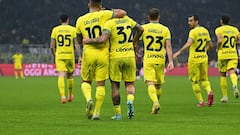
x,y
71,27
204,29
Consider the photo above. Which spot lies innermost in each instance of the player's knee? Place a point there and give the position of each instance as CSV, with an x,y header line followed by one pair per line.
x,y
130,89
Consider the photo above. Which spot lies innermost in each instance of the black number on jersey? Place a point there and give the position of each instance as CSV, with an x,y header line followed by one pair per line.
x,y
125,38
92,32
64,40
229,41
158,41
202,45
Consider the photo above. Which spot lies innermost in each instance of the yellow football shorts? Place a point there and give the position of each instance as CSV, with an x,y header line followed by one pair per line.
x,y
123,69
67,65
225,65
154,72
198,71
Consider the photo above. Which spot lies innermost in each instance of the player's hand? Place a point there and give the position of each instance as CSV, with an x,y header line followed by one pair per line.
x,y
175,55
170,66
85,40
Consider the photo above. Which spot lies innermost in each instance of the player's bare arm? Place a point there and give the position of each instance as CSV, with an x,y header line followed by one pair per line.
x,y
209,45
119,13
139,31
78,50
185,47
52,47
104,37
169,53
79,38
219,40
238,39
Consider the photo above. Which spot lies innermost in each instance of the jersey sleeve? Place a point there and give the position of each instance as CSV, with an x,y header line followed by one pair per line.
x,y
191,35
108,14
217,31
208,37
168,34
108,26
78,25
132,22
53,34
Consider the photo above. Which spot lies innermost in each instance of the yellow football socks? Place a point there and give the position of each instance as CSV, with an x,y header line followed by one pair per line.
x,y
100,94
152,93
61,86
87,91
206,85
197,91
117,109
130,97
70,83
234,79
223,84
159,93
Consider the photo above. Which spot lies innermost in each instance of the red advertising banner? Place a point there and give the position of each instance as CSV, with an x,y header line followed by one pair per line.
x,y
34,70
49,70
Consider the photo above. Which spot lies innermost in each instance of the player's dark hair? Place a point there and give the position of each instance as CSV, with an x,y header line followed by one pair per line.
x,y
63,18
195,17
96,3
153,13
225,19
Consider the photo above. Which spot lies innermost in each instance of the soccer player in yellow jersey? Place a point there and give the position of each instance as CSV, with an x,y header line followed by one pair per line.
x,y
198,42
17,60
122,59
63,37
156,37
95,57
227,37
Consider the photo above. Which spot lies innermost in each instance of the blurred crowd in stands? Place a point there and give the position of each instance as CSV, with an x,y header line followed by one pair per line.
x,y
30,22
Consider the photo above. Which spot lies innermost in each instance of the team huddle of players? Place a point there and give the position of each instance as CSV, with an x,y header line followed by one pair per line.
x,y
110,40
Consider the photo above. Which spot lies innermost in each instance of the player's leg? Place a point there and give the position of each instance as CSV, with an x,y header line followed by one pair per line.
x,y
160,79
87,71
21,71
16,73
21,74
150,76
16,70
130,98
70,81
115,73
194,76
60,68
222,66
205,83
231,66
116,99
61,86
159,90
100,95
129,76
101,74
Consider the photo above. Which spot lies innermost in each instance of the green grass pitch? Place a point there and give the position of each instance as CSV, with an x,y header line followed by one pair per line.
x,y
32,107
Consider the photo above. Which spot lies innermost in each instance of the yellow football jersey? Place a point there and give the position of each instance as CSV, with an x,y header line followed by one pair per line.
x,y
64,38
121,37
91,26
227,50
198,49
18,58
154,38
